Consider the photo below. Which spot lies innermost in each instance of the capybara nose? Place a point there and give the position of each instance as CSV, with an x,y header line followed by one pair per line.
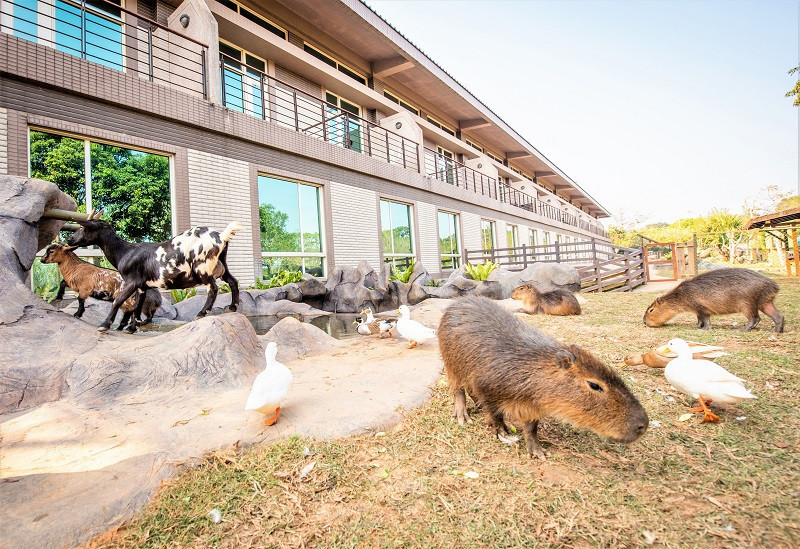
x,y
641,428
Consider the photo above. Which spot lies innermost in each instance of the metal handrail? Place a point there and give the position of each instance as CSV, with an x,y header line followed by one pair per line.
x,y
269,98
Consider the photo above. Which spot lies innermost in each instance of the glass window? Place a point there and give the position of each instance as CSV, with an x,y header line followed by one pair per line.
x,y
91,31
532,237
511,239
441,126
290,220
404,104
396,235
448,241
255,18
445,165
474,145
340,128
132,187
487,234
242,88
327,59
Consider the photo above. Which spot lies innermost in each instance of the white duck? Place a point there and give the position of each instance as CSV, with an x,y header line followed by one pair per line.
x,y
371,326
270,386
411,329
702,379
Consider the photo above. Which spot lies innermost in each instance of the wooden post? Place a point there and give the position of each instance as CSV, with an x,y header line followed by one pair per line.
x,y
524,257
796,254
786,253
692,267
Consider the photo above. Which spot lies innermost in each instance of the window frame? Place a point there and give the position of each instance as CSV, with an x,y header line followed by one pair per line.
x,y
473,145
411,232
395,98
258,15
247,77
444,127
338,64
492,226
455,258
322,254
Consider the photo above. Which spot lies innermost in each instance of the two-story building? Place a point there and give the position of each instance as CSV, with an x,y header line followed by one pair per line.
x,y
316,124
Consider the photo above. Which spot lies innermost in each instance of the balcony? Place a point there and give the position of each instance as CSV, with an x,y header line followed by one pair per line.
x,y
102,32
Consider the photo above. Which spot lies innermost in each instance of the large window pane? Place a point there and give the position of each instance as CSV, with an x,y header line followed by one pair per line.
x,y
396,234
132,187
448,241
487,234
60,160
290,219
25,19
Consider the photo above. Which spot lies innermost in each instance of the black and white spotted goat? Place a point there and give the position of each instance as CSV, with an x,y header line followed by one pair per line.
x,y
193,258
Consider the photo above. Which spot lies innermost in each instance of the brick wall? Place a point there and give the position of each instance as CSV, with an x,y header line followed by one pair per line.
x,y
3,141
219,192
428,237
355,225
471,225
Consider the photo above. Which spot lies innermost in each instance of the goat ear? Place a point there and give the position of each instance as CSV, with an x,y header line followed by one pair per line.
x,y
564,358
70,248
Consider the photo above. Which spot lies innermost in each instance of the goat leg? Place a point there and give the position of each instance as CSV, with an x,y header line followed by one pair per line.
x,y
234,284
137,312
79,312
212,296
125,291
62,287
125,318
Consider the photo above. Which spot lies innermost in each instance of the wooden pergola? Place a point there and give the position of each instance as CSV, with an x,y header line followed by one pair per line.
x,y
782,225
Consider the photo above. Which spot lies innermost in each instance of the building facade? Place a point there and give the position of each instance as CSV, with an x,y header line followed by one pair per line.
x,y
315,124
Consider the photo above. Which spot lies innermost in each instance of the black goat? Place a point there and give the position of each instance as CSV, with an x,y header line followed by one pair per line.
x,y
194,257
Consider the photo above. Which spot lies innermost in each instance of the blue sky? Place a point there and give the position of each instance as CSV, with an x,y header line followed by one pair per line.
x,y
658,109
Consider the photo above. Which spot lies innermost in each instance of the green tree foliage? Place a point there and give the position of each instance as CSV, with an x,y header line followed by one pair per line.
x,y
788,203
274,236
131,186
795,92
719,222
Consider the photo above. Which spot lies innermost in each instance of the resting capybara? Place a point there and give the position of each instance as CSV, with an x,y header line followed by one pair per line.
x,y
518,372
556,302
719,292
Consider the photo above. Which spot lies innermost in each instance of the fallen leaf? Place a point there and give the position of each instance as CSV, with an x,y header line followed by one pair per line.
x,y
307,469
685,417
769,386
471,474
380,434
216,515
715,501
384,473
741,418
649,537
655,423
780,444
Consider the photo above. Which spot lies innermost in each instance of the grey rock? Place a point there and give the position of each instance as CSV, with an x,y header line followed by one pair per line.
x,y
459,285
351,289
544,277
295,338
293,292
311,287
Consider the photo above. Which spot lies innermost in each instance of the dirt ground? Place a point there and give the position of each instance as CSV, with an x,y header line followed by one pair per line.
x,y
427,482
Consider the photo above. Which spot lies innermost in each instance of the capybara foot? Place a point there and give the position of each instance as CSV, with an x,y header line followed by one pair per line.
x,y
537,452
462,417
779,325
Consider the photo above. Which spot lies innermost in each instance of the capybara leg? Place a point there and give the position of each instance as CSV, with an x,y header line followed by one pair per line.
x,y
752,321
532,440
703,321
460,413
498,421
771,311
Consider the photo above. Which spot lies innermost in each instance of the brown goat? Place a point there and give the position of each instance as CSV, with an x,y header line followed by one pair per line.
x,y
88,280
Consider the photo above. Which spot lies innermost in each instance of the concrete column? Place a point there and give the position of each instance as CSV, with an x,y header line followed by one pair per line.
x,y
203,28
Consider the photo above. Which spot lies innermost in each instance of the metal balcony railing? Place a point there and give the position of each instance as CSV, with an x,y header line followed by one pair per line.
x,y
248,90
451,171
105,33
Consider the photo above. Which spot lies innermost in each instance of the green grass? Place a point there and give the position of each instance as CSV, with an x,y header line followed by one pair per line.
x,y
687,484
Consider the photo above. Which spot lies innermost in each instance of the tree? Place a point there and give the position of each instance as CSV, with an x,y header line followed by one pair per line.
x,y
795,92
274,236
59,160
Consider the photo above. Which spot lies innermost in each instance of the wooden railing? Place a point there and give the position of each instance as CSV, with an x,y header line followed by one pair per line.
x,y
602,266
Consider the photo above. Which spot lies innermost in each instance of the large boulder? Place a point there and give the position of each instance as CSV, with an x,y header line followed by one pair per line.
x,y
251,303
458,285
544,277
295,338
351,289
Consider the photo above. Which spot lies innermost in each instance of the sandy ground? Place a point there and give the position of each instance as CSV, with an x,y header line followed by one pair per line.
x,y
69,473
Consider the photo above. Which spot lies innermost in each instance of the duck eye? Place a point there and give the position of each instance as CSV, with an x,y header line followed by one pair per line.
x,y
595,387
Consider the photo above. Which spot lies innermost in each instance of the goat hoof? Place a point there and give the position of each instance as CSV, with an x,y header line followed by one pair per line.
x,y
120,327
77,315
130,329
232,308
102,329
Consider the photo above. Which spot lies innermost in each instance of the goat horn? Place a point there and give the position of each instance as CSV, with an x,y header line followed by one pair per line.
x,y
99,214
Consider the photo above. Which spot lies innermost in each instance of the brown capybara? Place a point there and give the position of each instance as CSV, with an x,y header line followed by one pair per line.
x,y
518,372
556,302
719,292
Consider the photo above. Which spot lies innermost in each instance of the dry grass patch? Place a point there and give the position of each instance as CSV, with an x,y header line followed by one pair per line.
x,y
736,483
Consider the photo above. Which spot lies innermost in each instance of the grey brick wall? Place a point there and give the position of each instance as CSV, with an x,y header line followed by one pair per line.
x,y
355,225
471,225
3,141
219,192
428,237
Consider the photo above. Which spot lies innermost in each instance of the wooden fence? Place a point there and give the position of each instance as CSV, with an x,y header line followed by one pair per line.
x,y
603,267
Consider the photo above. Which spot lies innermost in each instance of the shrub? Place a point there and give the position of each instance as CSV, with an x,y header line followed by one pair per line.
x,y
404,276
481,271
281,279
180,295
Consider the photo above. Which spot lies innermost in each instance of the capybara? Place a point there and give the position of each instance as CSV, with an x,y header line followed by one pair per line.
x,y
555,302
719,292
518,372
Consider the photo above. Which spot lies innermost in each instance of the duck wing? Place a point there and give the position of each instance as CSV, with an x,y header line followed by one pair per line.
x,y
270,387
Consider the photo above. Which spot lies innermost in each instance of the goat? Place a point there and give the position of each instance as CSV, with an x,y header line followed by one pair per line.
x,y
89,280
196,256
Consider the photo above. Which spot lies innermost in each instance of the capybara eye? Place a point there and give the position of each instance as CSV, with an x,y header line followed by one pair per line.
x,y
595,387
651,309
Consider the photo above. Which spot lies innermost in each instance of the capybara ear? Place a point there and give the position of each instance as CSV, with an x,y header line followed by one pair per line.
x,y
564,358
657,301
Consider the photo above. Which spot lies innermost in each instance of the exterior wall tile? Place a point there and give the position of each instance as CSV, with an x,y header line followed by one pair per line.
x,y
356,234
428,237
471,226
3,141
219,192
